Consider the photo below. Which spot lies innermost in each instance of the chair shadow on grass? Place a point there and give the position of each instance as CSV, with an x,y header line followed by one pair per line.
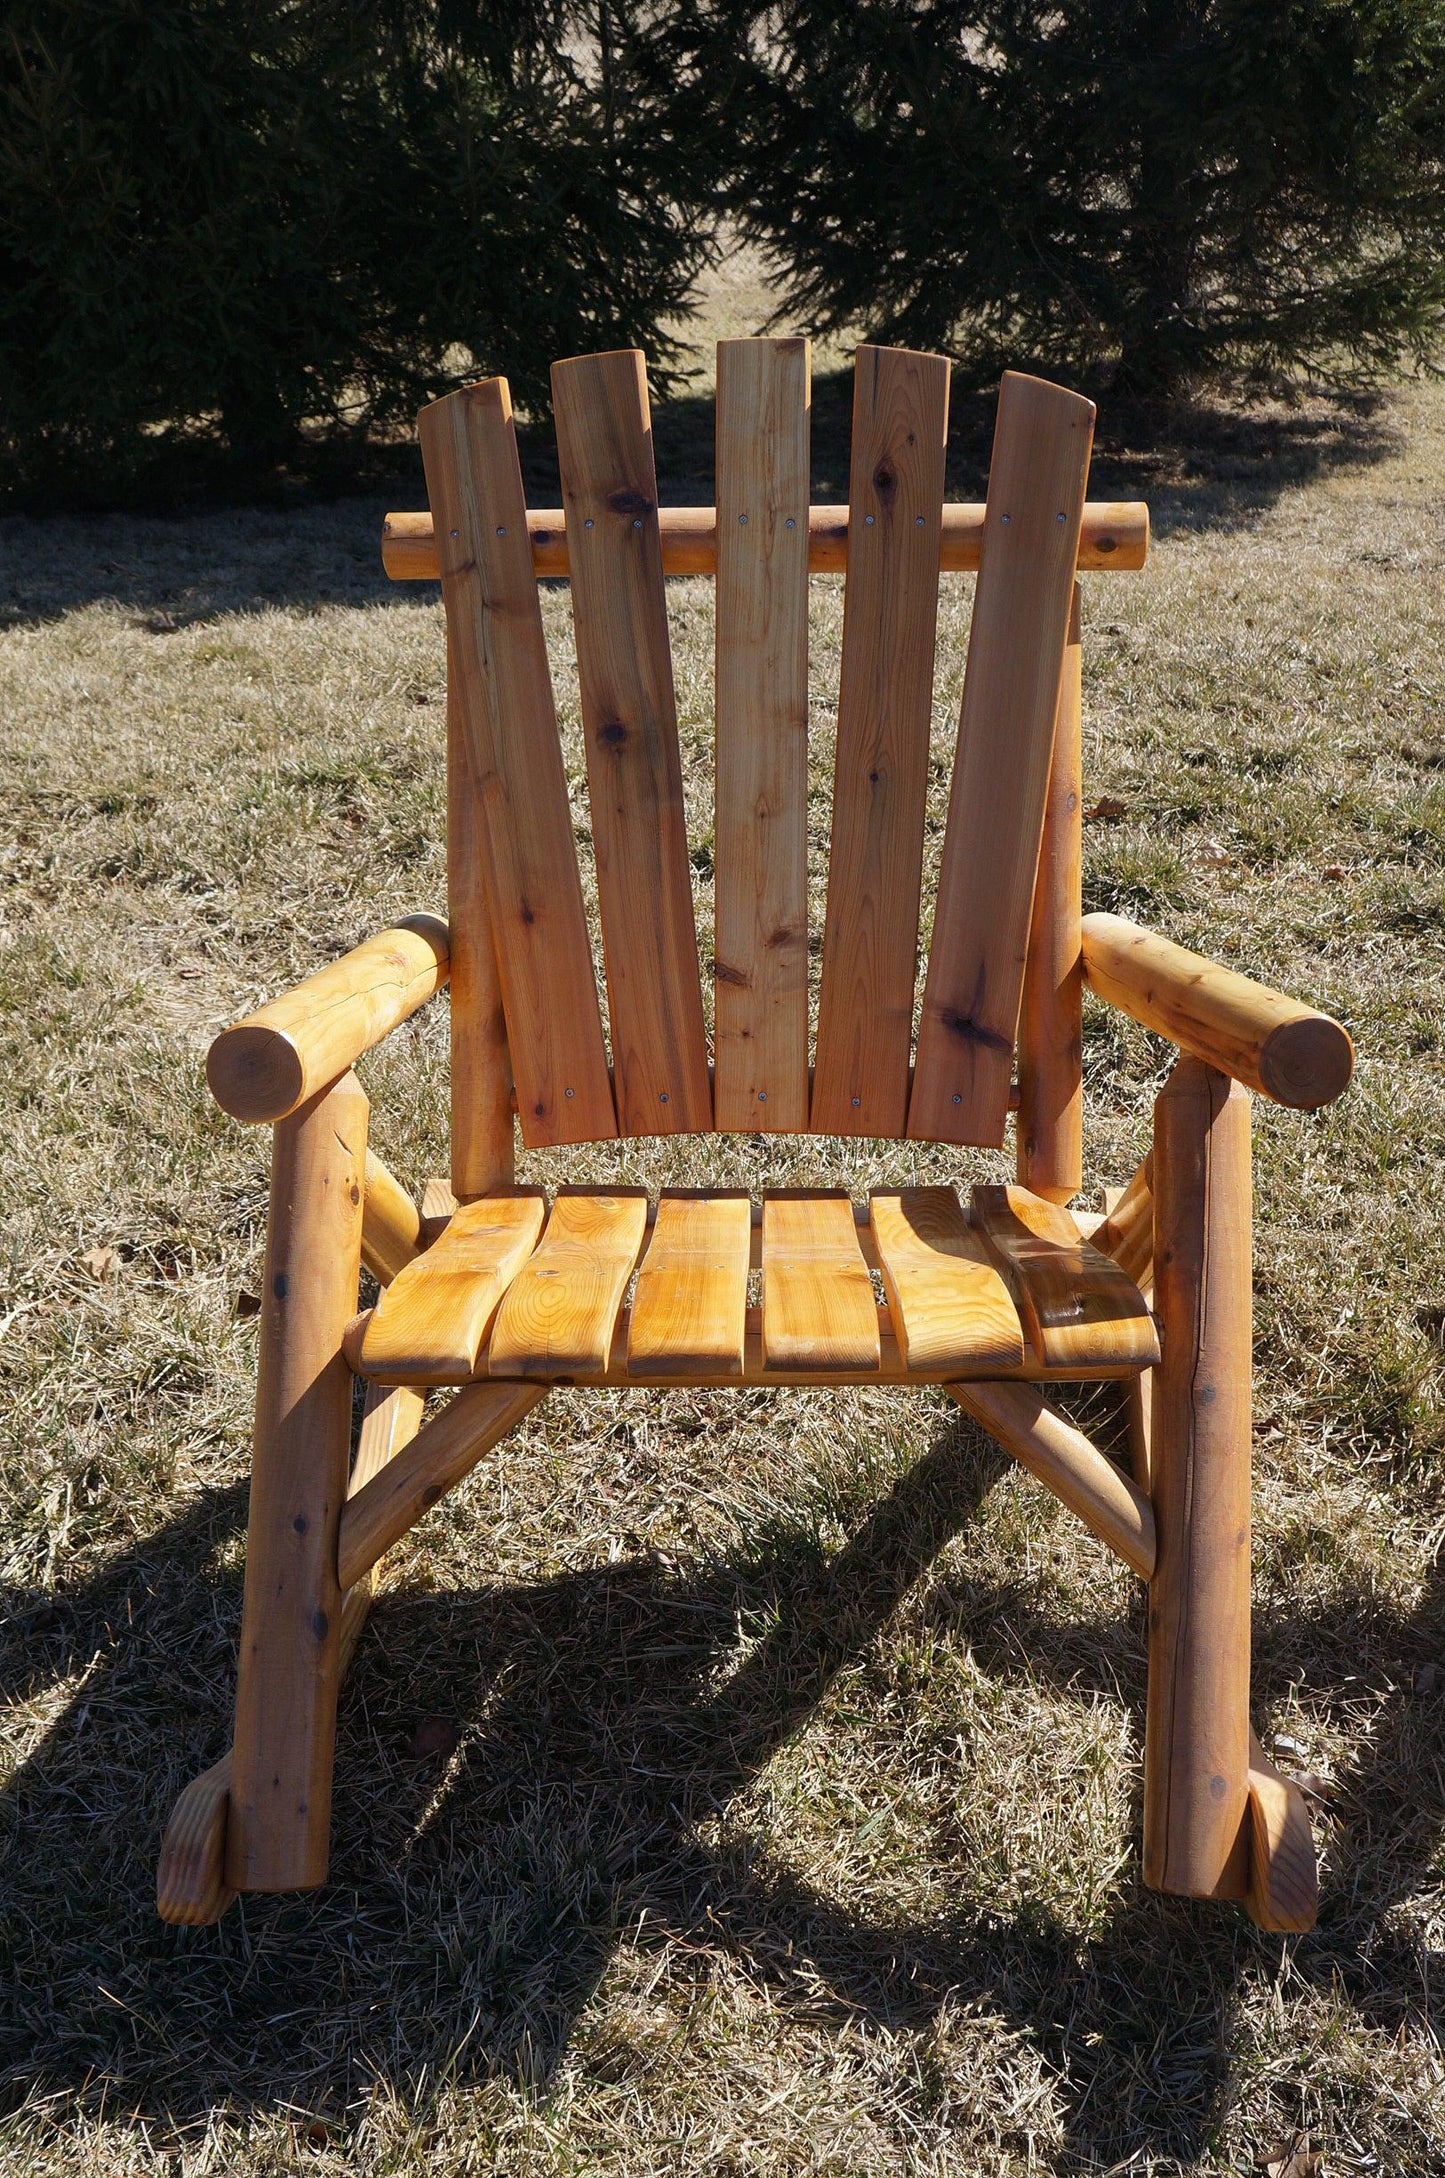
x,y
476,1903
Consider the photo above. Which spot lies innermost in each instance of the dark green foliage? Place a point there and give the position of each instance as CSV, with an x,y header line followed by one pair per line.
x,y
1192,190
222,221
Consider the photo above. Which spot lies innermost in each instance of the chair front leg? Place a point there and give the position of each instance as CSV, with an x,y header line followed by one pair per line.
x,y
1196,1760
278,1826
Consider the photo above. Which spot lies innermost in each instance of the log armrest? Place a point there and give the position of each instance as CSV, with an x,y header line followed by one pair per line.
x,y
278,1057
1270,1043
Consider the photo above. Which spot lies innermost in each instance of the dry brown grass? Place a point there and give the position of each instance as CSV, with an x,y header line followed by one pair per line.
x,y
789,1819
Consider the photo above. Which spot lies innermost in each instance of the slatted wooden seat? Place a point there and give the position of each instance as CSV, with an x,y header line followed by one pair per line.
x,y
496,1293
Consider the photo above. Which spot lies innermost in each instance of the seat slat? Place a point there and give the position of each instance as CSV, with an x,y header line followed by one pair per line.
x,y
690,1308
819,1313
951,1309
557,1315
433,1319
629,720
885,698
761,807
502,690
1005,746
1076,1306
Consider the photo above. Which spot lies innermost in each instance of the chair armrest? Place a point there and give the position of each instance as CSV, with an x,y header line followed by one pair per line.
x,y
275,1059
1272,1044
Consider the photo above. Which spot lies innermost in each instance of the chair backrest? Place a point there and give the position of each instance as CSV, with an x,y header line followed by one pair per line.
x,y
509,791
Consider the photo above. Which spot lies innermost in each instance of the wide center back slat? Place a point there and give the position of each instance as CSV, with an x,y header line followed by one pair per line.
x,y
629,720
501,696
885,701
1036,486
761,812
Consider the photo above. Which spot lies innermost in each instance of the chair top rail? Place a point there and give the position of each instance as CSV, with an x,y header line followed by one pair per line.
x,y
1114,538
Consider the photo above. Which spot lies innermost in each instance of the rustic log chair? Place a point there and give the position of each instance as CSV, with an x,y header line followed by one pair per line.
x,y
503,1297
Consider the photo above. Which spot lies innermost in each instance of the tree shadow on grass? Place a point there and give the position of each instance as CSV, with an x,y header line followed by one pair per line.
x,y
1202,466
608,1721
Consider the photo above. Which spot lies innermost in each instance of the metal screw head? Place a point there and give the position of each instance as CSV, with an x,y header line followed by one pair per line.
x,y
857,1104
918,521
569,1092
790,523
1004,518
762,1096
501,529
662,1096
588,523
742,521
638,523
867,521
1058,517
454,533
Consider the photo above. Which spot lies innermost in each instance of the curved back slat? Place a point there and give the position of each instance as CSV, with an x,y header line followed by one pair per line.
x,y
1036,485
502,699
885,699
629,721
761,812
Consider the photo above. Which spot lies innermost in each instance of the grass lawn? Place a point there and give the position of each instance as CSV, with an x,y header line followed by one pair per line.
x,y
727,1782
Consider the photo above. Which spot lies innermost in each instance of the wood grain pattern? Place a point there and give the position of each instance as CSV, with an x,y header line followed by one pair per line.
x,y
390,1224
1114,538
268,1064
1284,1887
761,806
1126,1233
885,700
971,997
445,1450
557,1316
1049,1133
1075,1305
1272,1044
818,1308
502,690
1065,1461
950,1307
629,720
690,1308
483,1144
1196,1743
278,1832
433,1321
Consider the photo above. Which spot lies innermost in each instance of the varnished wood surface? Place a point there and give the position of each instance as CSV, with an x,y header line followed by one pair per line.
x,y
277,1835
1076,1305
972,993
819,1313
390,1223
760,852
629,721
885,703
433,1321
1050,1130
1284,1887
1114,536
556,1318
1272,1044
483,1142
689,1312
501,694
270,1063
1196,1752
951,1310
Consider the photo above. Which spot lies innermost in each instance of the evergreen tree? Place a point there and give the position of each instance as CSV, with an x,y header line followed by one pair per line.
x,y
222,221
1190,191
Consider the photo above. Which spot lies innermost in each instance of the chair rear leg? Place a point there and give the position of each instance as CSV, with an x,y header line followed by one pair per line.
x,y
1196,1760
278,1826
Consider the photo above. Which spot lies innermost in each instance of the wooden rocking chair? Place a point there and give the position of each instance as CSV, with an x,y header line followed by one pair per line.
x,y
502,1295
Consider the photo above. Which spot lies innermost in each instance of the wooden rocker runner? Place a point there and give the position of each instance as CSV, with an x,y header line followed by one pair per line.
x,y
501,1293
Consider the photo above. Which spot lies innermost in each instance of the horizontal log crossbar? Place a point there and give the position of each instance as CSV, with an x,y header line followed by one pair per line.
x,y
1115,537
